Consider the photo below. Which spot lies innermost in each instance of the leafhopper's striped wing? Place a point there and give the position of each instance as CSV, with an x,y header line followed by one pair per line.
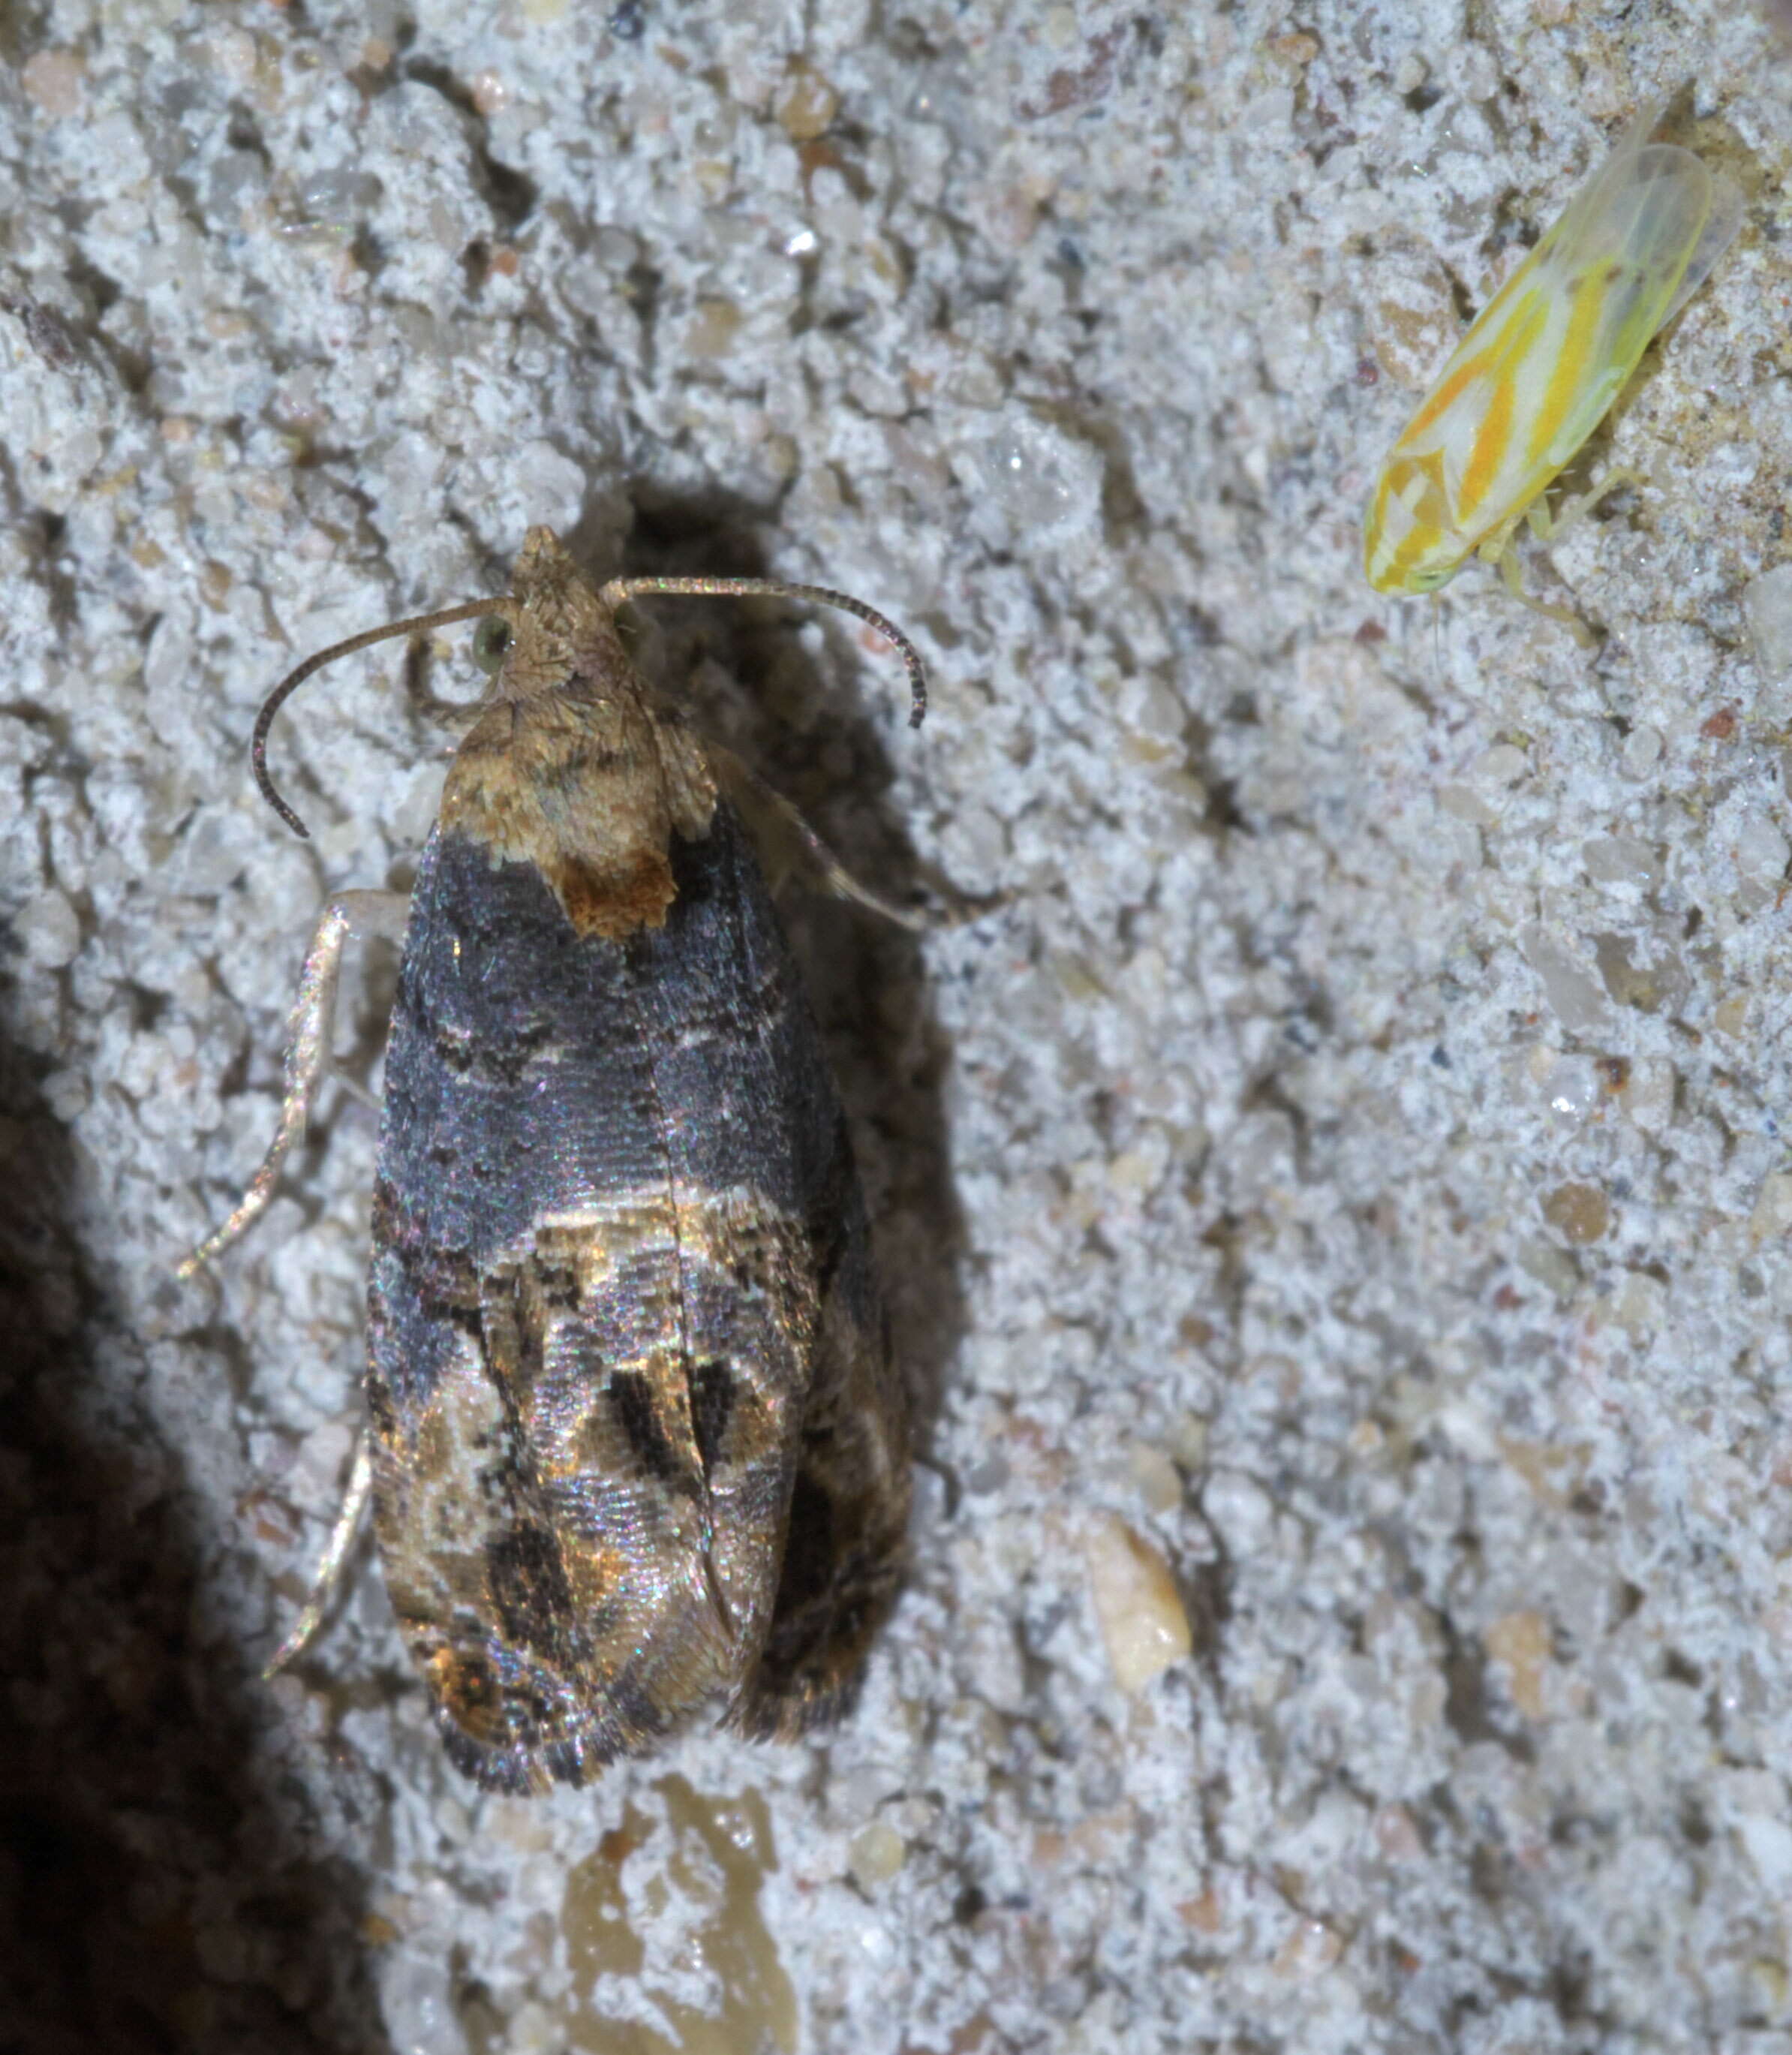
x,y
1545,358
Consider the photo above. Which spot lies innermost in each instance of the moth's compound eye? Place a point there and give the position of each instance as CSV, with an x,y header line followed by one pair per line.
x,y
491,642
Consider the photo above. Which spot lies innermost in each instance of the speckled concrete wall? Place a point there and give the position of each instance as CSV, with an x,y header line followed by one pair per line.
x,y
1336,1203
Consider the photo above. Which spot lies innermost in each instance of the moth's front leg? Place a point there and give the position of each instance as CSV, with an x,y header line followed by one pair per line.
x,y
310,1029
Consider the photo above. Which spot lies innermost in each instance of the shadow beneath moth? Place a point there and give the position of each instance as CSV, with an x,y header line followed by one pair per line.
x,y
636,1439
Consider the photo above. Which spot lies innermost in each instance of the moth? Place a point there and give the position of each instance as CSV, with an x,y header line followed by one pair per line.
x,y
1543,361
636,1438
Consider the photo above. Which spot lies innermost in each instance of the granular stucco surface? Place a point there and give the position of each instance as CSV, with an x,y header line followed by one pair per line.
x,y
1348,1156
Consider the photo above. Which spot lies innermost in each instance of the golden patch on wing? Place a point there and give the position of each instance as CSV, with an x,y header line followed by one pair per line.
x,y
584,1523
614,903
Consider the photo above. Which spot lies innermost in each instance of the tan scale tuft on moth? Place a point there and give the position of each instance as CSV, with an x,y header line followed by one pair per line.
x,y
572,768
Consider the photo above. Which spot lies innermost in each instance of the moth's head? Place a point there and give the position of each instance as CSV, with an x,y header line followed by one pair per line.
x,y
552,632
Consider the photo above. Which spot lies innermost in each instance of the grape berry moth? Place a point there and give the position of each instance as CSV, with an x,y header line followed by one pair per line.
x,y
636,1438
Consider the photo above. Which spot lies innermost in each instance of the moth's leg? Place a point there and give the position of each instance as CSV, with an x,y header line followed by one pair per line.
x,y
845,1540
1548,527
329,1579
309,1031
785,843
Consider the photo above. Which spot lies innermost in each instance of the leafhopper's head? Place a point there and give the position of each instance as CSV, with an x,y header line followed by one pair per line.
x,y
1410,543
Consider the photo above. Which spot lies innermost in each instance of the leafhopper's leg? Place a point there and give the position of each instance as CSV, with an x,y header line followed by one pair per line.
x,y
329,1579
309,1028
1498,550
1548,527
1508,566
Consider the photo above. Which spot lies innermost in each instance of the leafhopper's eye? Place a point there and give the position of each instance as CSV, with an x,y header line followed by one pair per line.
x,y
491,643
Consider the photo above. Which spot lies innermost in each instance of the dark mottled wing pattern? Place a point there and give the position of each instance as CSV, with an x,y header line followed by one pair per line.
x,y
621,1278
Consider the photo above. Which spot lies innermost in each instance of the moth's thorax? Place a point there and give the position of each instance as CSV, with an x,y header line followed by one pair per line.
x,y
587,781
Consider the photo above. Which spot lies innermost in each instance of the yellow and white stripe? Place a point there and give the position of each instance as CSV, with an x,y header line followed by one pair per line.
x,y
1544,359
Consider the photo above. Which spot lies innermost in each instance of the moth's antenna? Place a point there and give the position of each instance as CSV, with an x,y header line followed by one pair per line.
x,y
620,589
418,624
